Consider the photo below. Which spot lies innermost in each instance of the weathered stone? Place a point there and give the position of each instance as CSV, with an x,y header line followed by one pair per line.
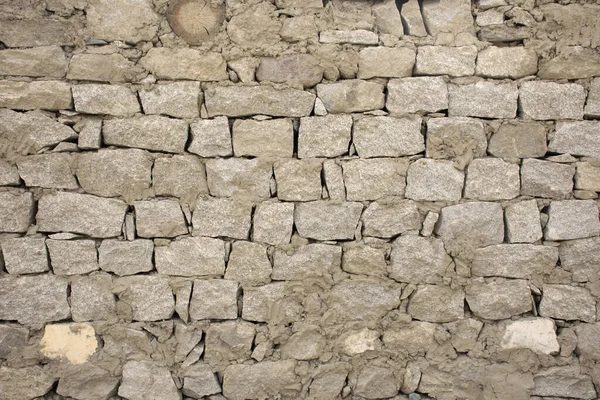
x,y
418,94
114,100
503,33
364,260
429,223
484,100
126,257
587,176
24,255
352,95
433,303
46,95
185,63
313,260
551,100
214,299
499,299
572,219
270,138
322,220
255,27
415,259
112,68
80,213
514,260
264,379
458,139
387,136
434,180
151,133
88,382
298,180
37,32
307,344
181,176
299,69
592,105
273,223
587,339
144,380
374,179
490,17
228,341
567,302
149,296
358,36
191,256
239,178
222,217
452,16
267,303
442,60
24,383
519,140
92,298
9,175
391,219
248,264
375,382
327,136
16,211
47,171
195,21
199,380
464,333
466,227
537,335
492,179
546,179
241,101
582,258
34,299
574,62
90,135
133,21
210,138
73,343
159,218
576,138
411,339
47,61
334,180
507,62
358,341
175,99
72,257
566,382
385,62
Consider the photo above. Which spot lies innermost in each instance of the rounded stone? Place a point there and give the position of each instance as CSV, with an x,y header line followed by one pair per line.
x,y
195,21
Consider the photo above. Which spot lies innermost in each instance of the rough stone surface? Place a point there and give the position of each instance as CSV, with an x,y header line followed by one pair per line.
x,y
574,62
535,334
145,380
440,60
580,257
387,220
550,100
271,138
426,304
151,133
189,64
351,96
159,218
16,211
359,36
239,178
387,137
248,264
592,105
434,180
298,180
416,259
191,256
514,260
214,299
149,297
134,21
507,62
374,179
483,100
567,303
564,382
327,136
519,140
302,69
546,179
47,95
51,171
210,138
222,217
126,257
46,61
105,99
261,380
73,343
88,382
24,383
587,176
26,255
523,222
273,222
576,138
458,139
72,257
92,298
492,179
364,260
312,260
113,68
177,99
572,219
182,176
417,95
499,299
322,220
385,62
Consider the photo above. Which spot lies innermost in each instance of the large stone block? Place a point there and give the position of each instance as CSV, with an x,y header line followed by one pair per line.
x,y
492,179
222,217
587,339
458,139
92,298
239,178
386,220
551,100
149,297
587,176
24,255
507,62
24,383
574,62
37,32
210,138
270,138
442,60
351,96
72,257
182,176
546,179
499,299
434,180
327,136
484,100
113,68
133,21
267,303
175,99
385,62
264,379
523,222
581,257
114,100
567,302
387,136
248,264
363,259
151,133
567,381
520,261
87,382
46,61
46,95
572,219
449,16
191,256
299,69
16,211
375,382
434,303
322,220
214,299
373,179
515,139
126,257
144,380
417,94
185,63
537,335
273,223
159,218
48,171
310,261
415,259
576,138
298,180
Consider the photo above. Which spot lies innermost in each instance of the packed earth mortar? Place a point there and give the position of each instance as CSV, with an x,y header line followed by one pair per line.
x,y
299,199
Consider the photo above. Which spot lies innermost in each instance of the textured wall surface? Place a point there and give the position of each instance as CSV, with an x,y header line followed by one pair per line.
x,y
299,199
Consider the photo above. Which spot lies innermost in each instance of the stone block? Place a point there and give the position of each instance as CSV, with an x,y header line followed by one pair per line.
x,y
295,69
523,222
191,256
126,257
310,261
51,171
199,380
564,381
499,299
80,213
301,27
434,180
72,257
442,60
90,135
569,303
144,379
264,379
327,136
322,220
115,100
159,218
536,334
576,138
581,257
551,100
352,95
260,303
572,219
307,344
415,259
483,100
362,259
133,21
573,62
150,132
385,62
334,180
9,175
182,176
73,343
273,223
239,178
175,99
411,339
458,139
248,264
16,211
388,136
521,261
24,255
185,64
210,138
507,62
492,179
92,298
418,94
453,16
298,180
373,179
435,303
214,299
24,383
358,36
375,382
587,176
387,220
222,217
587,339
149,296
228,341
546,179
44,62
113,68
88,382
270,138
519,140
46,95
592,105
37,32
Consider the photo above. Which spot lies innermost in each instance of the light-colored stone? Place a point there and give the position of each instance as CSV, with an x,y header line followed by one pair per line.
x,y
391,219
149,297
24,383
574,62
273,223
499,299
415,259
46,61
270,138
385,62
255,27
551,100
37,32
210,138
133,21
566,302
175,99
434,303
587,176
359,341
114,100
363,259
492,179
72,257
264,379
80,213
546,179
191,256
298,180
144,380
248,264
322,220
90,135
576,138
48,171
458,139
453,16
334,181
92,298
413,18
434,180
214,299
181,176
299,69
159,218
483,99
16,211
185,63
411,339
490,17
442,60
564,382
373,179
537,335
222,217
418,94
24,255
113,68
572,219
301,27
581,257
520,261
74,343
358,36
199,380
352,95
506,62
388,136
465,333
126,257
519,140
267,303
151,133
592,105
239,178
523,222
310,261
327,136
46,95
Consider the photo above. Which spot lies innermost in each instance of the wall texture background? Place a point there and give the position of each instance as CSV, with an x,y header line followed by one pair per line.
x,y
299,199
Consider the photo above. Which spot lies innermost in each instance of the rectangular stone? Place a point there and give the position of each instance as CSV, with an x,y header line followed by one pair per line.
x,y
592,104
434,180
259,301
322,220
351,95
310,261
520,261
214,299
175,99
80,213
484,100
36,32
576,138
385,62
273,222
72,257
126,257
572,219
242,101
149,296
248,264
587,176
159,218
191,256
16,211
581,257
358,36
298,180
417,94
437,303
459,139
90,135
516,139
24,255
48,171
262,380
92,298
374,179
222,217
492,179
46,95
239,178
499,299
270,138
334,180
443,60
47,61
546,179
327,136
386,220
211,137
507,62
569,303
150,132
550,100
113,68
523,222
388,136
115,100
185,63
564,382
9,175
182,176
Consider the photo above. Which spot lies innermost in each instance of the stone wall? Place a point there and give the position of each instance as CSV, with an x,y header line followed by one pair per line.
x,y
299,199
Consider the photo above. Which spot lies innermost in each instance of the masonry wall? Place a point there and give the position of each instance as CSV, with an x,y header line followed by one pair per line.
x,y
299,199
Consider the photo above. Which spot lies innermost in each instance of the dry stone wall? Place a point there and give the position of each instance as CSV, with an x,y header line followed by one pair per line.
x,y
299,199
